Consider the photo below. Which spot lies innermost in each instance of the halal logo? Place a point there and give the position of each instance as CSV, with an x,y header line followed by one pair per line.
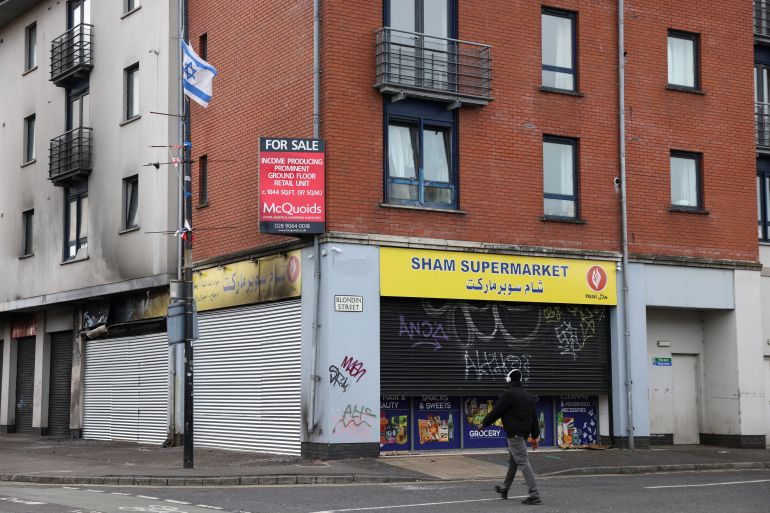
x,y
597,278
292,269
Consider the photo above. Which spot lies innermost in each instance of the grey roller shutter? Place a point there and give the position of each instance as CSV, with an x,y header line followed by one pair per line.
x,y
125,389
439,346
247,379
25,384
60,384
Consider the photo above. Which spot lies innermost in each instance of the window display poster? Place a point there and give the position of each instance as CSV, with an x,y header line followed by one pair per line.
x,y
544,414
395,421
576,420
474,411
436,422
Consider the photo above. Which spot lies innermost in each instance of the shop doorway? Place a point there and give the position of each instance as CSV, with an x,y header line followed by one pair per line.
x,y
25,384
685,381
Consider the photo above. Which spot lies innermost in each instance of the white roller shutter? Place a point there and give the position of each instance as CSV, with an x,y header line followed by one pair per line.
x,y
247,379
125,389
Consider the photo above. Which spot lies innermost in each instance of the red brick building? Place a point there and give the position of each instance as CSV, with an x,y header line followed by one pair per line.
x,y
490,130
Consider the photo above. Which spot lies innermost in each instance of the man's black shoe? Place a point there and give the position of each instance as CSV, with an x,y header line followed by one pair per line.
x,y
532,501
503,492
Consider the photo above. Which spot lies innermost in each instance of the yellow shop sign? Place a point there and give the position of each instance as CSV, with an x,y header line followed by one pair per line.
x,y
456,275
249,281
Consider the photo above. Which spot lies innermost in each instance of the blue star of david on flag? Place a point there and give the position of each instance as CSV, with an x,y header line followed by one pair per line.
x,y
197,76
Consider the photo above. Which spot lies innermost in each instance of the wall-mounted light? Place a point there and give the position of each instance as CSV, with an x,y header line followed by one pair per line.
x,y
664,343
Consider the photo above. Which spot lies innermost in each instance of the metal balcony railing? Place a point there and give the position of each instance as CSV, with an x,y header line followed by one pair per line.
x,y
71,57
431,67
762,18
70,156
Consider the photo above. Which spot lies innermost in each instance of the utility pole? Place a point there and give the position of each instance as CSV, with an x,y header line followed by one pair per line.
x,y
187,258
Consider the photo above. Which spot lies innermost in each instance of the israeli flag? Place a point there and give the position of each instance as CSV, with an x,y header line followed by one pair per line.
x,y
197,76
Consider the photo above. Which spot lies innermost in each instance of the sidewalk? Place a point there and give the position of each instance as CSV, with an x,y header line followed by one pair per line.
x,y
41,460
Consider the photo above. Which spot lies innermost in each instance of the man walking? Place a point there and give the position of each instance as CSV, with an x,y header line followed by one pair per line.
x,y
517,409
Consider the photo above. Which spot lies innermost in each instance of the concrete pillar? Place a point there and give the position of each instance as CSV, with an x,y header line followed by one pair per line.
x,y
8,390
76,390
42,376
347,269
734,413
637,311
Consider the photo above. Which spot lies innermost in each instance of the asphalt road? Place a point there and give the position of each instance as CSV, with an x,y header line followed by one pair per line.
x,y
702,492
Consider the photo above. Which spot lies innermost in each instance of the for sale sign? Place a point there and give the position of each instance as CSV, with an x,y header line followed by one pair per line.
x,y
291,185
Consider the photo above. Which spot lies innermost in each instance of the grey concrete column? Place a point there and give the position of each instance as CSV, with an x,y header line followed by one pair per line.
x,y
8,390
76,390
42,376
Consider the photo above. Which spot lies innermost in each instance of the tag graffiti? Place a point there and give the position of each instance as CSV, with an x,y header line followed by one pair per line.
x,y
336,379
354,367
355,417
426,332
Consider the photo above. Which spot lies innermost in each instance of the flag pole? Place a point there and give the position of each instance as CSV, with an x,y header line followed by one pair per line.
x,y
187,257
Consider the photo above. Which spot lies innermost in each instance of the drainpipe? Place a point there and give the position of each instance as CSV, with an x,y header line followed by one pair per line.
x,y
311,423
624,217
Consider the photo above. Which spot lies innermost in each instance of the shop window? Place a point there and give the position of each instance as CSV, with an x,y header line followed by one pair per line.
x,y
559,49
560,177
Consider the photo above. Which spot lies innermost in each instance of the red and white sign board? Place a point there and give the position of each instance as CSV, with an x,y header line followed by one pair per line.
x,y
291,185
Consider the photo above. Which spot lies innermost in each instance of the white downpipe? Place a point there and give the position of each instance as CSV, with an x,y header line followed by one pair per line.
x,y
624,218
311,422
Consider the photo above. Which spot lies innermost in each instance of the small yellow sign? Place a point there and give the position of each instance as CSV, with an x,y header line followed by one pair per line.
x,y
250,281
457,275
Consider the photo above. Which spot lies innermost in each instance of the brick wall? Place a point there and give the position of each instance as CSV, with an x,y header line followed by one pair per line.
x,y
263,51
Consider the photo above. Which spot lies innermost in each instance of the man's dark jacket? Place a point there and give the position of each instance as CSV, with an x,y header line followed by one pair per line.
x,y
517,409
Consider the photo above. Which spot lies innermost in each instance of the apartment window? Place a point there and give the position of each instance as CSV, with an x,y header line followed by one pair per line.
x,y
683,60
75,221
29,139
132,91
203,47
203,181
420,162
30,47
130,5
559,49
27,233
131,202
763,202
686,181
559,177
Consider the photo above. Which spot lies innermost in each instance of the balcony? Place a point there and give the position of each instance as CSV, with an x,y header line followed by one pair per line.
x,y
70,157
71,55
762,19
413,65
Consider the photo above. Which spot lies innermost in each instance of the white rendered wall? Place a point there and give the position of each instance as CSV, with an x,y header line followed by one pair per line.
x,y
115,262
